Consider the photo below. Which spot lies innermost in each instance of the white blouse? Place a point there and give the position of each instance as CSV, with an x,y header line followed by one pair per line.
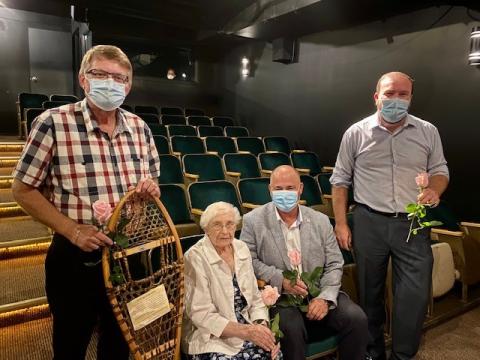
x,y
209,297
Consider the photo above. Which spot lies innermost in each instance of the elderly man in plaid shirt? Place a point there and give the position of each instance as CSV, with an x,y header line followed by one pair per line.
x,y
77,154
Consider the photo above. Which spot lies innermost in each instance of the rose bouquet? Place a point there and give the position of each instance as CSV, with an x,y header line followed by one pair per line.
x,y
309,278
102,211
270,296
417,211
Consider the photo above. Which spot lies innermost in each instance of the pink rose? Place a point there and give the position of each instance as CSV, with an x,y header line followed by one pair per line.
x,y
422,180
295,257
101,211
270,295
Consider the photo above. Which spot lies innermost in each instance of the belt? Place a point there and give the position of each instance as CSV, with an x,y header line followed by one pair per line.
x,y
386,214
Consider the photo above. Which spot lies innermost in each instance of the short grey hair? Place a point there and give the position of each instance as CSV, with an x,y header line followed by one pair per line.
x,y
214,209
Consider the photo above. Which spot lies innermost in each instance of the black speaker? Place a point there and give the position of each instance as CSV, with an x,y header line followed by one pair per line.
x,y
283,50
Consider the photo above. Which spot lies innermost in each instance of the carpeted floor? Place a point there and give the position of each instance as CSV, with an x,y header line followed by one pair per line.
x,y
457,339
32,340
22,275
26,228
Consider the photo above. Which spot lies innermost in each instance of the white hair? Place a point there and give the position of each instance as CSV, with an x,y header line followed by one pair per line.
x,y
214,209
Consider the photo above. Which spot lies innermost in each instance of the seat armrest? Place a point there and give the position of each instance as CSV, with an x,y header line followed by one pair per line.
x,y
233,173
191,176
327,168
303,171
212,152
266,173
197,212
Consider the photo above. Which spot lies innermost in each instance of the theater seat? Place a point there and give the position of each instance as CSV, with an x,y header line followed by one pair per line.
x,y
158,129
195,120
146,109
66,98
194,112
53,104
201,194
186,130
312,194
241,166
149,118
170,170
253,192
182,145
173,120
171,110
252,145
307,162
27,101
202,167
30,115
206,130
220,145
161,143
222,121
269,161
277,144
236,131
175,201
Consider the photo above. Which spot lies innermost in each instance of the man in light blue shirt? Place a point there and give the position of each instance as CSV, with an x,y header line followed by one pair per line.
x,y
380,156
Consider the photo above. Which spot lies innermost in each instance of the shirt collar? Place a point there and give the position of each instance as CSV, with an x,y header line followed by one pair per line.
x,y
91,124
374,121
297,223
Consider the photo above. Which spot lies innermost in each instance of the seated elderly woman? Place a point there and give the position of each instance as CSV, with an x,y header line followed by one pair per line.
x,y
224,313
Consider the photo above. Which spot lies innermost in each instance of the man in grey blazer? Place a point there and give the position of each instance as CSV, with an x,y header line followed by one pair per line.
x,y
272,230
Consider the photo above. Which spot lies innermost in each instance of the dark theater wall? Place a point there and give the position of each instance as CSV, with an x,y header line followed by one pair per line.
x,y
314,101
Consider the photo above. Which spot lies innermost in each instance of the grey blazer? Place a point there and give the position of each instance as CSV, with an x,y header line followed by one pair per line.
x,y
262,233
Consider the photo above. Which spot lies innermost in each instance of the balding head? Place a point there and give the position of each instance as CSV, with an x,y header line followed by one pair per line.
x,y
285,177
394,76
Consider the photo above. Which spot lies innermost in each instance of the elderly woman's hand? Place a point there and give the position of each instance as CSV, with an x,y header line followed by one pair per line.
x,y
261,336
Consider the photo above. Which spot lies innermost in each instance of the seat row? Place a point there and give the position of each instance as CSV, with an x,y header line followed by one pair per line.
x,y
181,145
163,110
193,120
38,102
200,131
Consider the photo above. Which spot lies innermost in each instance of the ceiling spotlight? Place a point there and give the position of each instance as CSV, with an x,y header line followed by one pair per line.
x,y
245,67
474,56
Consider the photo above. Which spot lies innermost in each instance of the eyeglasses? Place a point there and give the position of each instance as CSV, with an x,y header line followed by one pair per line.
x,y
104,75
219,227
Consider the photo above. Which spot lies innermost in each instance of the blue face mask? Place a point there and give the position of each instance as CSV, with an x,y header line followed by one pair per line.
x,y
285,200
107,94
394,110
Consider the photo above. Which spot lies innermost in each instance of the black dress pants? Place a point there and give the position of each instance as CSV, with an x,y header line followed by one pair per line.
x,y
347,320
376,238
78,303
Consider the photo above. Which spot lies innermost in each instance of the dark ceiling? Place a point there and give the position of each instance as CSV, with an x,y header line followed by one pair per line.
x,y
211,27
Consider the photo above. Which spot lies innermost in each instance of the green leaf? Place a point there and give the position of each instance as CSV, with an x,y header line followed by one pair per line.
x,y
121,240
279,335
422,211
414,231
314,291
316,274
303,308
121,224
410,208
291,275
275,324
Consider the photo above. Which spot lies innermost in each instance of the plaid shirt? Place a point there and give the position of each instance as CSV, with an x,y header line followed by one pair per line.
x,y
76,163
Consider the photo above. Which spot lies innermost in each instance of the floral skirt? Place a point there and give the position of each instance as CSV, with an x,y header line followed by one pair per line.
x,y
249,351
